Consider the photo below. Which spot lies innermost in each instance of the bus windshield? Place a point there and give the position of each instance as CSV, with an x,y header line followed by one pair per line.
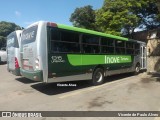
x,y
12,40
29,35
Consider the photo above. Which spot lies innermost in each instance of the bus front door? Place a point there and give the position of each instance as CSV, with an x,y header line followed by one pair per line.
x,y
143,57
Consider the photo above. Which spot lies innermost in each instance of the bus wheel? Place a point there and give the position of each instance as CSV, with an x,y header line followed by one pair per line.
x,y
137,69
98,77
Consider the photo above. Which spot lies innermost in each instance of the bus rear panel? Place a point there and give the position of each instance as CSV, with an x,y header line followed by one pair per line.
x,y
29,58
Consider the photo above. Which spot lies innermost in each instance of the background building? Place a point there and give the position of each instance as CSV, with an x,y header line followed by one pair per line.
x,y
152,38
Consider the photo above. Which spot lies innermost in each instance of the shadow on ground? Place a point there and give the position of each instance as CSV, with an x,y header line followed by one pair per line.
x,y
54,89
155,76
25,80
3,63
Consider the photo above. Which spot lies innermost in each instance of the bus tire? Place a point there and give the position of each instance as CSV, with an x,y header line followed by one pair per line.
x,y
137,69
98,77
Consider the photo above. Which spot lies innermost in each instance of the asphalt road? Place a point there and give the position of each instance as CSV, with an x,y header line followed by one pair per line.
x,y
119,93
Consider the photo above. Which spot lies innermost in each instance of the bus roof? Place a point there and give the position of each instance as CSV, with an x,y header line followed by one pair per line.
x,y
90,32
17,32
82,30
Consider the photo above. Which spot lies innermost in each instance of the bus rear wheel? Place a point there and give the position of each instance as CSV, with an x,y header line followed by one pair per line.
x,y
98,77
137,69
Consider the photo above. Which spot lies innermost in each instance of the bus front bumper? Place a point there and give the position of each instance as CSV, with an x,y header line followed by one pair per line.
x,y
32,75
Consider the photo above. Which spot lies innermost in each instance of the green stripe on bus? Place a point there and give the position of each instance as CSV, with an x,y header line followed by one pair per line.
x,y
90,32
78,60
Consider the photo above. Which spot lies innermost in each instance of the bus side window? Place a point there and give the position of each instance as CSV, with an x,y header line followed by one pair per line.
x,y
130,48
90,44
54,37
137,49
137,46
90,48
55,34
64,41
107,45
70,41
69,36
130,45
120,47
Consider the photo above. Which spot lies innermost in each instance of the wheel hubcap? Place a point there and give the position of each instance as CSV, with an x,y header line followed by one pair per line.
x,y
137,69
99,77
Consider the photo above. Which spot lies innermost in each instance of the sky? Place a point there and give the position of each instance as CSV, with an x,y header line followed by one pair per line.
x,y
26,12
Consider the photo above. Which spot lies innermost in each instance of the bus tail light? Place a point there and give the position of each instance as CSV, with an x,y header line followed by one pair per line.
x,y
51,24
16,63
37,64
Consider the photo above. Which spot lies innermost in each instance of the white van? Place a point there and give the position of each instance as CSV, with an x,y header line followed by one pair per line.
x,y
3,55
13,52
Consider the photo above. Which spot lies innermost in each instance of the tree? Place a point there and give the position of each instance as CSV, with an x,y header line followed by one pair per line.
x,y
83,17
5,29
2,41
158,5
148,14
122,17
115,16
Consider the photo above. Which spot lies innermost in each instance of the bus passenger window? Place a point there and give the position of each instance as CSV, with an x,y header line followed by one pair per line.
x,y
107,45
137,52
107,50
137,49
90,44
107,42
130,48
130,45
137,46
120,47
62,41
120,50
120,43
55,34
89,39
69,36
130,51
66,47
90,48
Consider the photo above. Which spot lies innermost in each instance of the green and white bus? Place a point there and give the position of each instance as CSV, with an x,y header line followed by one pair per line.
x,y
53,52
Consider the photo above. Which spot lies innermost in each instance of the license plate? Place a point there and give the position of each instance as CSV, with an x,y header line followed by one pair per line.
x,y
25,62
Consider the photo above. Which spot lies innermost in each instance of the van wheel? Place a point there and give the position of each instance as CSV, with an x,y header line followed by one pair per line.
x,y
98,77
137,69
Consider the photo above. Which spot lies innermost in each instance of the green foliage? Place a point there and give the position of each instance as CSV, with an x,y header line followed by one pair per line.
x,y
117,16
83,17
2,41
158,5
148,14
5,29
